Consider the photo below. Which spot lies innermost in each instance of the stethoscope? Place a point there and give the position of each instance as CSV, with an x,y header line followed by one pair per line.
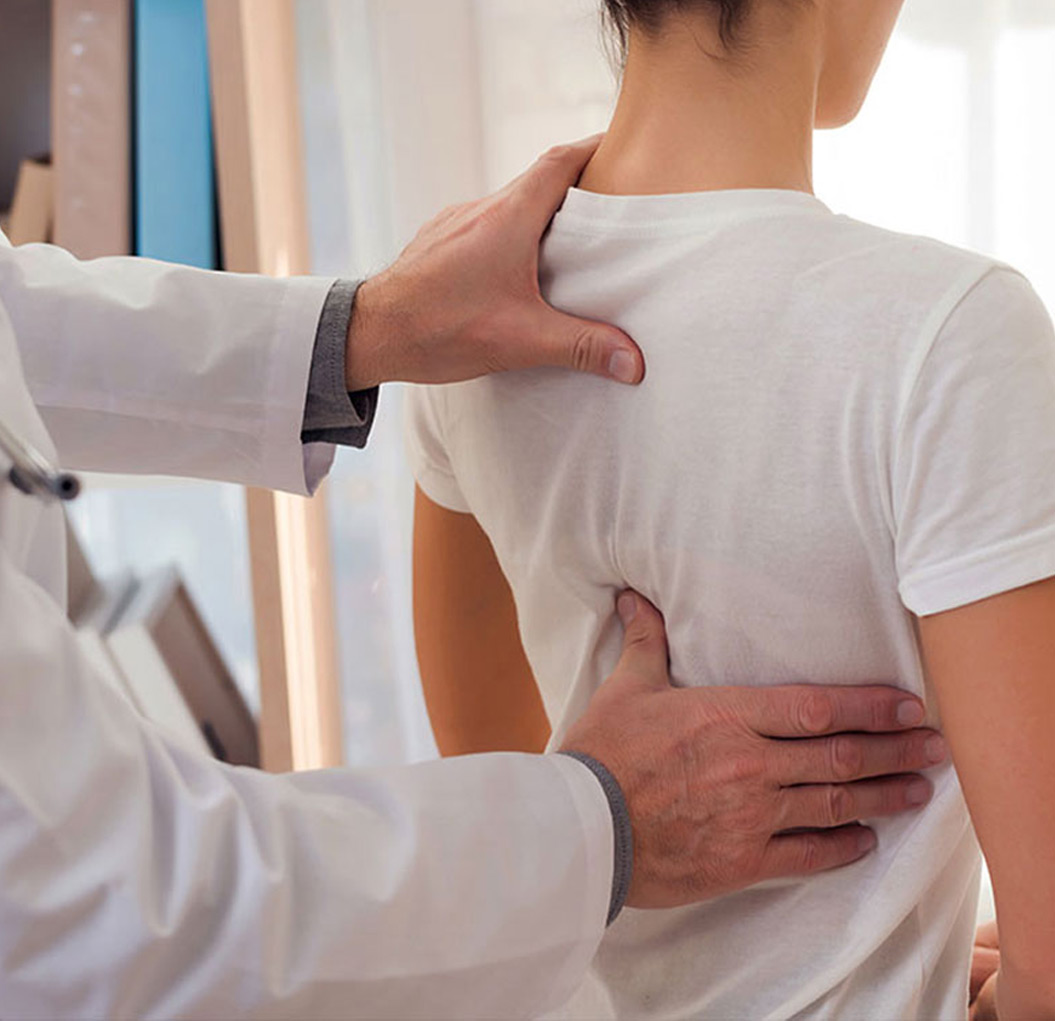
x,y
34,474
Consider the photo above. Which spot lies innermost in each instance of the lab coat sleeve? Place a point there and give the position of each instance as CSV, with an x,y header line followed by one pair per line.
x,y
142,879
139,366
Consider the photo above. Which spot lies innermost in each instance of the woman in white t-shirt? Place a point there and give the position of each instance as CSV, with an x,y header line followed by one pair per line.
x,y
841,465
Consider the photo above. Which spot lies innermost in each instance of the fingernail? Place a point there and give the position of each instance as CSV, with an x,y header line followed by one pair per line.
x,y
623,367
910,714
627,607
866,841
935,749
918,792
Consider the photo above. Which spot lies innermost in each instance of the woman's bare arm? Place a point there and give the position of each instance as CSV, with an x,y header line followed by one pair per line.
x,y
479,689
993,665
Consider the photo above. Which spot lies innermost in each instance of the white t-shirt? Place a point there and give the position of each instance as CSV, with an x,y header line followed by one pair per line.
x,y
840,427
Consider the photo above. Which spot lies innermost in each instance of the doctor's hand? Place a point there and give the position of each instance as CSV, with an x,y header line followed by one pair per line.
x,y
985,963
727,787
463,300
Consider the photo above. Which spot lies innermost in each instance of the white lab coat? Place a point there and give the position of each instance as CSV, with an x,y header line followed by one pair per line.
x,y
138,879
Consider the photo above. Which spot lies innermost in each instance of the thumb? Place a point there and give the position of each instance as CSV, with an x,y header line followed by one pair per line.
x,y
592,347
644,657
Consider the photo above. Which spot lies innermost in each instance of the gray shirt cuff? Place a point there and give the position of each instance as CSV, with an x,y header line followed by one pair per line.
x,y
623,866
331,413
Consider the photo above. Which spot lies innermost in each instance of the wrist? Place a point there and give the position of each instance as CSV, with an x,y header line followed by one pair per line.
x,y
366,341
622,832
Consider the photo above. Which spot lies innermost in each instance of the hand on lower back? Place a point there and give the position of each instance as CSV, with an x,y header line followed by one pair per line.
x,y
463,300
715,778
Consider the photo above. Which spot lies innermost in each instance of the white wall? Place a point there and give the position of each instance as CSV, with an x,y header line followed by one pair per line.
x,y
543,79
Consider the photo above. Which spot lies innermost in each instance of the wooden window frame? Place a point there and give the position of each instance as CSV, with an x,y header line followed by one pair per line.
x,y
263,215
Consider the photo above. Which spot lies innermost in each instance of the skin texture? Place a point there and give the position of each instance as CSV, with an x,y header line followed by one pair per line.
x,y
855,34
693,116
463,300
992,665
984,967
712,776
486,701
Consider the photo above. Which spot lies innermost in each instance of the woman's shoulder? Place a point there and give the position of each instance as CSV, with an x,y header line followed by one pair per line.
x,y
912,255
940,279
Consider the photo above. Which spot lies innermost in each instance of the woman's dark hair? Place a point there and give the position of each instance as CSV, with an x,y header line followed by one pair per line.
x,y
649,15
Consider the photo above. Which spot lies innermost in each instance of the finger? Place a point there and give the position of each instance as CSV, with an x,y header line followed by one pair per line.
x,y
984,1007
986,962
987,936
802,854
644,656
848,757
806,710
586,346
823,806
582,151
544,184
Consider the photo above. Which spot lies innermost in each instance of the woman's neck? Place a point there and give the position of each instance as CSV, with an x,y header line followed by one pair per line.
x,y
688,122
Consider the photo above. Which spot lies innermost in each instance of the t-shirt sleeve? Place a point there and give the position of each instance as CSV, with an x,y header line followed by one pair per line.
x,y
426,447
973,476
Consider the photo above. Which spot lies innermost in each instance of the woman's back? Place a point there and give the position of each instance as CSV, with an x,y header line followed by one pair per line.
x,y
800,474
